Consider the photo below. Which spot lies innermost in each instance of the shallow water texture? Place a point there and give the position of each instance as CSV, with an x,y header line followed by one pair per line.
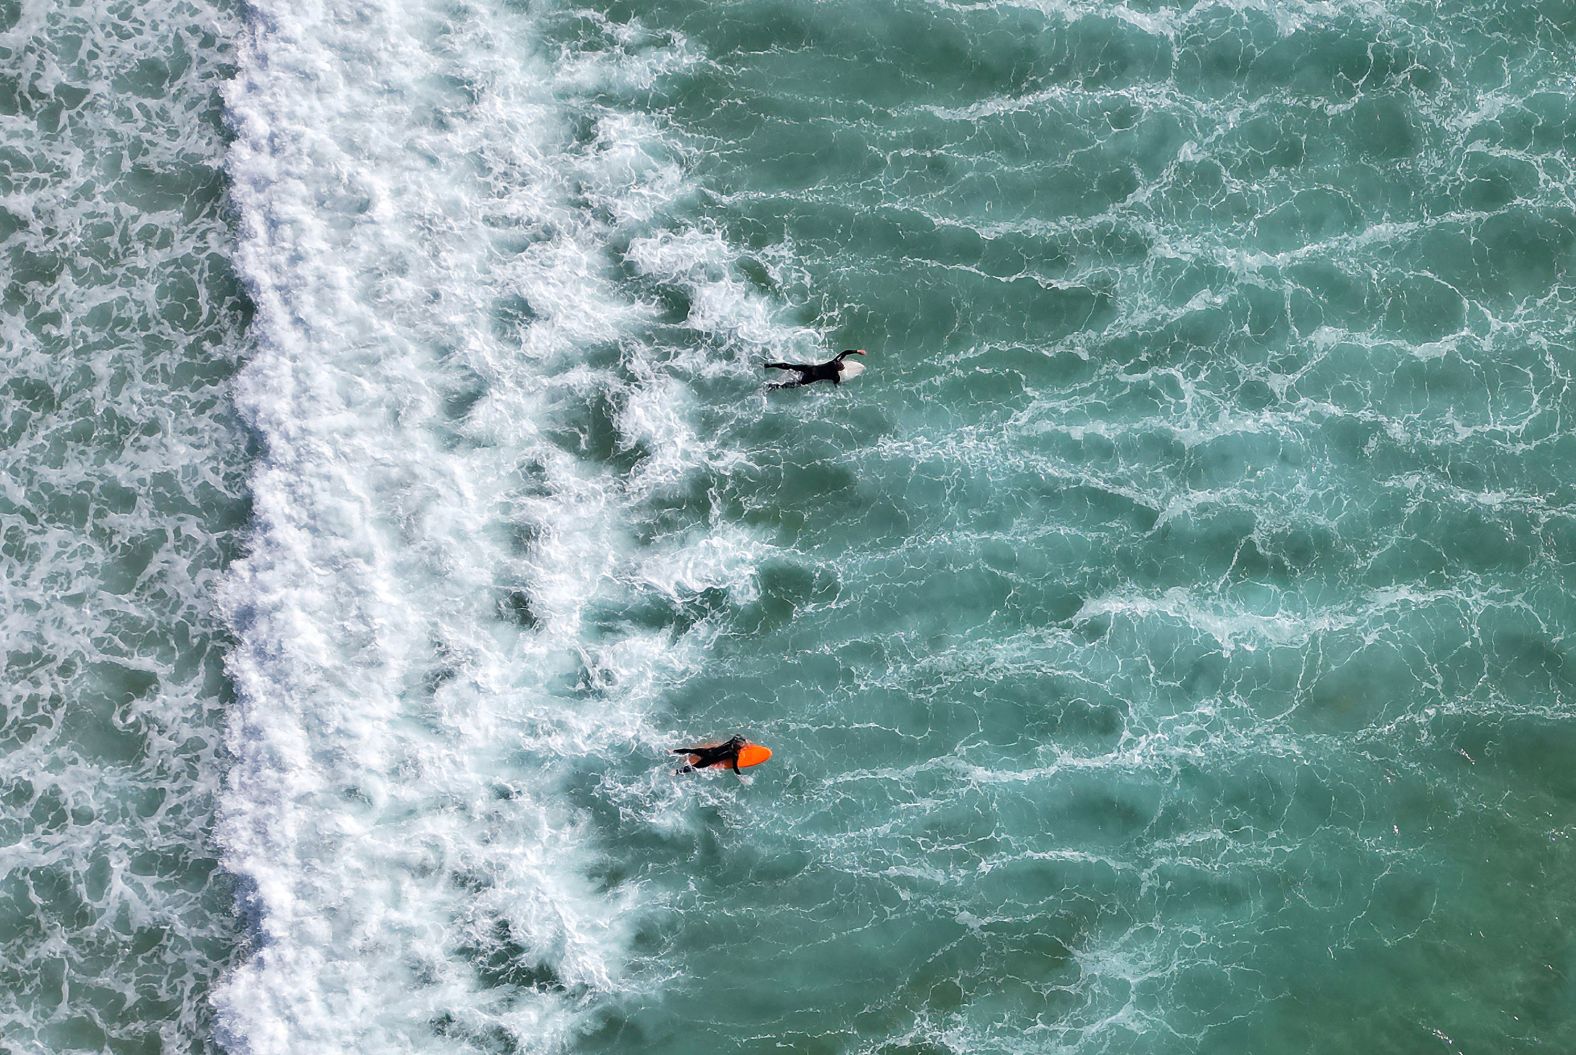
x,y
122,488
1167,643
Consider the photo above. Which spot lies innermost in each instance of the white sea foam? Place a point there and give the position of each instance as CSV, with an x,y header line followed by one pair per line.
x,y
426,230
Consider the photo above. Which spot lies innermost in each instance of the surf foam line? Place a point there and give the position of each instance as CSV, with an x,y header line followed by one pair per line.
x,y
425,220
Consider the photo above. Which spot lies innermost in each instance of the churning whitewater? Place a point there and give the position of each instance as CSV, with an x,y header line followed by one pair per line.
x,y
428,205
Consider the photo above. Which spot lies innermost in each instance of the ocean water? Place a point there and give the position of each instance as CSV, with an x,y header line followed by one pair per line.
x,y
122,497
1166,643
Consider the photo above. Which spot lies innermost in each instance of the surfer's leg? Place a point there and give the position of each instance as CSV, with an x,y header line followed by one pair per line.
x,y
802,379
703,757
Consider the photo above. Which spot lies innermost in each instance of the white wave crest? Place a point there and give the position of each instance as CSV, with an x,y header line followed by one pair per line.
x,y
425,231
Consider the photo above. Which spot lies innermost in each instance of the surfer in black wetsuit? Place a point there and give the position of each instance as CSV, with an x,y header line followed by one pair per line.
x,y
707,756
833,370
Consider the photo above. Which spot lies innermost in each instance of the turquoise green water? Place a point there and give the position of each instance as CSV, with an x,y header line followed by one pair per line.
x,y
1164,644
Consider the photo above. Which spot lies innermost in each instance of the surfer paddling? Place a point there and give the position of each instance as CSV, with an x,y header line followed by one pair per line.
x,y
732,755
834,370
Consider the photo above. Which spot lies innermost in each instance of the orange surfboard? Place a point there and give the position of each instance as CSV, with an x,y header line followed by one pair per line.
x,y
749,755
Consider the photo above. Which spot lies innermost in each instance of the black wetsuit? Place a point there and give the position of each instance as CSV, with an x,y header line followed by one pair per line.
x,y
717,755
831,370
